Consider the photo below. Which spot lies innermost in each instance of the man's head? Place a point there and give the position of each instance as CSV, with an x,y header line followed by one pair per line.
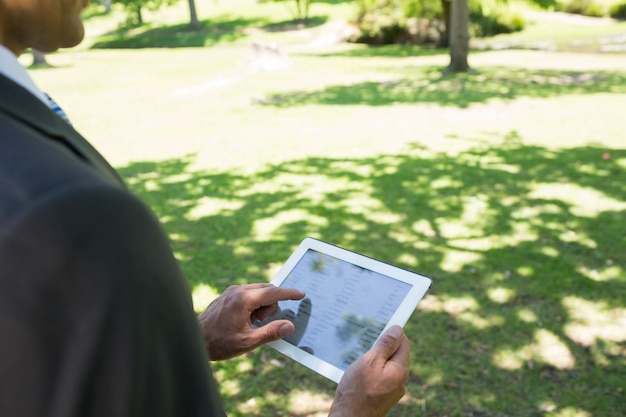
x,y
45,25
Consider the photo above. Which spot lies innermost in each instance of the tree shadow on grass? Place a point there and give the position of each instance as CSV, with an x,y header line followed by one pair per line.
x,y
526,246
386,51
333,1
296,24
221,29
431,85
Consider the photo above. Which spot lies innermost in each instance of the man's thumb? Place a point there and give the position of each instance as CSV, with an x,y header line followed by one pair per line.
x,y
389,342
275,330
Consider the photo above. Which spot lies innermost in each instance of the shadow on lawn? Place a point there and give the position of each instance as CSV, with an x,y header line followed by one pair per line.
x,y
525,244
224,28
431,85
387,51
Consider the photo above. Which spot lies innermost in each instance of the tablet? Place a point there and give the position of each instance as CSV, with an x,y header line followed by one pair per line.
x,y
350,301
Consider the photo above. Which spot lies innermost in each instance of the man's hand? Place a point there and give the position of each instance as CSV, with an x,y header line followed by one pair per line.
x,y
376,381
225,323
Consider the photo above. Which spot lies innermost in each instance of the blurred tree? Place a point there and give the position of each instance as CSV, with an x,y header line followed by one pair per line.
x,y
302,9
459,36
301,12
444,40
194,23
456,18
39,58
135,7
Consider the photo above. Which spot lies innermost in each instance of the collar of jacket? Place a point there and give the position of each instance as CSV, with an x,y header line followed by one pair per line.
x,y
23,106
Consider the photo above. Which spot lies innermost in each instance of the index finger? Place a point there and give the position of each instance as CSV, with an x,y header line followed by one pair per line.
x,y
265,295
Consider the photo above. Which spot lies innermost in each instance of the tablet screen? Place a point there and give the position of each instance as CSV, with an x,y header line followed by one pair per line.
x,y
345,309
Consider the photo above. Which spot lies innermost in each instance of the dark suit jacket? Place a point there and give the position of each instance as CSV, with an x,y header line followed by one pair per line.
x,y
95,315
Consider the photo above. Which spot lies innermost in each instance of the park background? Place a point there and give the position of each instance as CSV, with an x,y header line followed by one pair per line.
x,y
506,185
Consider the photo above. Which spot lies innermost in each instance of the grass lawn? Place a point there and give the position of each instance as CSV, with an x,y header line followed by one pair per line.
x,y
507,186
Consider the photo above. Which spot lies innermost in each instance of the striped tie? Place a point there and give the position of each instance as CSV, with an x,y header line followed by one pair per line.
x,y
57,109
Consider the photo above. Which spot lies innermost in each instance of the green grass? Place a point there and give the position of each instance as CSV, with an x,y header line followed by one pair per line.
x,y
506,186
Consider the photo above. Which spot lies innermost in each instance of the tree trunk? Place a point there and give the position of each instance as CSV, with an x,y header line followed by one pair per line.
x,y
194,23
299,10
459,36
39,58
138,14
444,37
107,6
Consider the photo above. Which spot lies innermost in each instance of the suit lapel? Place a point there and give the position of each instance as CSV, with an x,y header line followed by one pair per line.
x,y
22,105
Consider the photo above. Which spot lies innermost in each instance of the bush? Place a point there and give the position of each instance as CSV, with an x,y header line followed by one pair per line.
x,y
421,21
594,10
618,11
378,29
496,22
510,22
383,22
581,7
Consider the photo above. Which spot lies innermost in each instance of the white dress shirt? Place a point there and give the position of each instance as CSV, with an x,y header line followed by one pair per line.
x,y
11,68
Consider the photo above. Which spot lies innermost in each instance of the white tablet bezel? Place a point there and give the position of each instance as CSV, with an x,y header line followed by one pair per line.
x,y
420,285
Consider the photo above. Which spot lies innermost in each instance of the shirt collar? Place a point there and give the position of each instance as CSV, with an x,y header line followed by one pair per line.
x,y
12,69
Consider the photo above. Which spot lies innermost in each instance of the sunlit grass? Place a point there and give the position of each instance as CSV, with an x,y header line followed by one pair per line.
x,y
546,349
591,321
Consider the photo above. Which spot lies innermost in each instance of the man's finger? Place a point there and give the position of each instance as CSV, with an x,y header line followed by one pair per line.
x,y
271,331
264,312
268,295
389,342
258,285
402,355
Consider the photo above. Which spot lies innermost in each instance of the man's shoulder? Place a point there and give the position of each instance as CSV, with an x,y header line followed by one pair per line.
x,y
32,165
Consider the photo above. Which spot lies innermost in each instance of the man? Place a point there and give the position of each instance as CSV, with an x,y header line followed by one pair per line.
x,y
95,315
